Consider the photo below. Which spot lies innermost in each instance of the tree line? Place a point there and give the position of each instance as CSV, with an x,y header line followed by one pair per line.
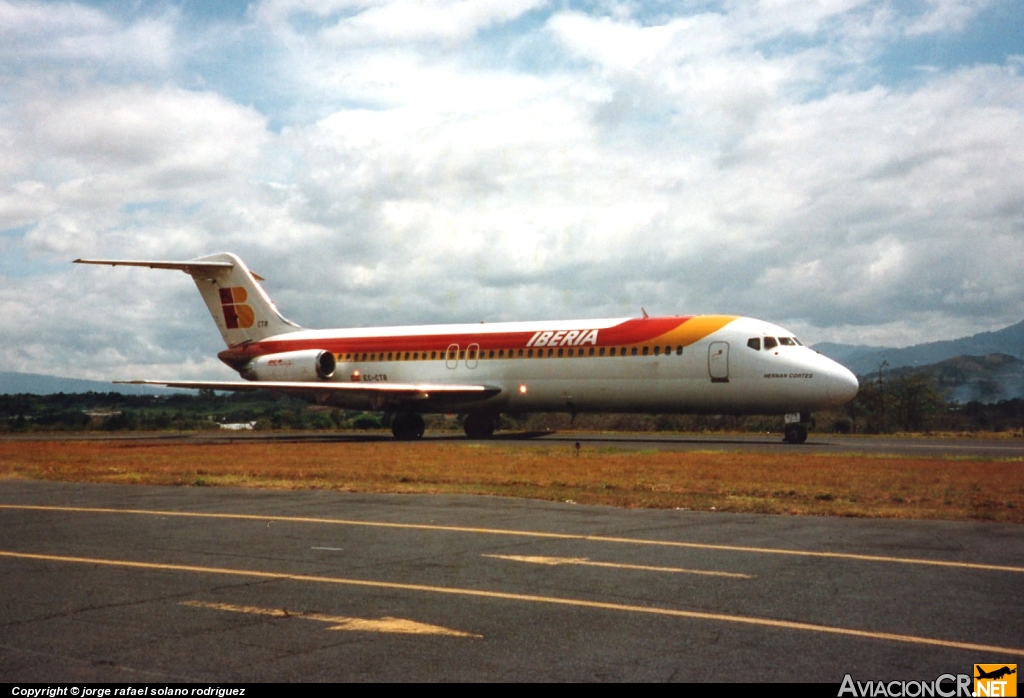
x,y
905,403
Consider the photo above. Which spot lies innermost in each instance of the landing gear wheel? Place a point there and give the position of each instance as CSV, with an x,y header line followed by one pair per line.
x,y
795,434
408,427
479,426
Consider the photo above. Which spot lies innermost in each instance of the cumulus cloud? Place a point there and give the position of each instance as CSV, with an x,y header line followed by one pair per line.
x,y
475,159
371,21
94,156
37,33
945,15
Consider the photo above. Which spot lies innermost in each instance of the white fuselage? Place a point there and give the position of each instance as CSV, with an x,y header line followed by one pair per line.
x,y
704,364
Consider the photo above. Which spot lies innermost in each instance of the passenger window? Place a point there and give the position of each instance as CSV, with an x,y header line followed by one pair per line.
x,y
600,352
770,343
633,353
646,350
679,350
592,351
529,354
560,351
754,343
612,350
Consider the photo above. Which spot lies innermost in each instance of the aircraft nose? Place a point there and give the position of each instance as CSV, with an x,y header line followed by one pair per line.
x,y
842,385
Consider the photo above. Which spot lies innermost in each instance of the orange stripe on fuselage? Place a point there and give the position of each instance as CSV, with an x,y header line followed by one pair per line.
x,y
636,332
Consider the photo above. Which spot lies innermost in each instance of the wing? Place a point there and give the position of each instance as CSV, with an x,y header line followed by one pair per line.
x,y
324,392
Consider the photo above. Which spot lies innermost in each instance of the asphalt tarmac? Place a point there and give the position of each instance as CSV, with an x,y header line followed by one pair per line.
x,y
161,584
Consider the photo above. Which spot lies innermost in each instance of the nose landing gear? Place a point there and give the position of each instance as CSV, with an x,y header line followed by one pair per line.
x,y
795,434
796,429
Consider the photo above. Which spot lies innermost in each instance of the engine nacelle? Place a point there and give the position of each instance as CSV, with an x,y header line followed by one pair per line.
x,y
306,365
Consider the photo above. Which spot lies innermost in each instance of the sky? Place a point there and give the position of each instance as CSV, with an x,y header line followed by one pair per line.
x,y
852,170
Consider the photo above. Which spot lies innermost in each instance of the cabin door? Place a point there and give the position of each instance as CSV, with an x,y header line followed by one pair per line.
x,y
718,362
451,356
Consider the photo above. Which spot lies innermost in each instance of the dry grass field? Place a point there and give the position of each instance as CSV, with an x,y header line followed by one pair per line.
x,y
847,485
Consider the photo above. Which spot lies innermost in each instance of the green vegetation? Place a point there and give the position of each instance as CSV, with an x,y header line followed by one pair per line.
x,y
905,403
205,410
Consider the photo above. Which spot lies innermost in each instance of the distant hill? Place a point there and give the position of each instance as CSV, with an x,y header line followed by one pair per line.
x,y
37,384
973,378
864,360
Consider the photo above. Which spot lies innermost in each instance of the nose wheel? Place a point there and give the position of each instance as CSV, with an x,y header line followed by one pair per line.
x,y
795,434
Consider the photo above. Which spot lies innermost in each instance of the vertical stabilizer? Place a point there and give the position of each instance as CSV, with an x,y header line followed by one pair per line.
x,y
241,308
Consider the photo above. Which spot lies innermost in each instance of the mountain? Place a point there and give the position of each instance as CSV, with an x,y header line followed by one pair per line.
x,y
37,384
973,378
865,360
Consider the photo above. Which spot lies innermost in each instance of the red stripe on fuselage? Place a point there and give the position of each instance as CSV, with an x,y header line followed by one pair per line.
x,y
631,332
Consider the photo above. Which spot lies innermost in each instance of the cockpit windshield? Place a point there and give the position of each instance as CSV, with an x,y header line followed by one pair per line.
x,y
771,342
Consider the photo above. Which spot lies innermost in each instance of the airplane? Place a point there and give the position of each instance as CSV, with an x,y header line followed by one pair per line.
x,y
702,364
995,674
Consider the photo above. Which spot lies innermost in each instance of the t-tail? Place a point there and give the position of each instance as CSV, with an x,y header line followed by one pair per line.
x,y
241,308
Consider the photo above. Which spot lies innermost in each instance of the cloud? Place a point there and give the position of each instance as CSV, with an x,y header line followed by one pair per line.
x,y
945,15
468,160
52,32
90,157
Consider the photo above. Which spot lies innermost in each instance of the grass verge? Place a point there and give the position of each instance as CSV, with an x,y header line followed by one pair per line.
x,y
832,485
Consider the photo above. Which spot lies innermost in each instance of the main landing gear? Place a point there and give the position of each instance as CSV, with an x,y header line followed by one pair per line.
x,y
479,426
407,426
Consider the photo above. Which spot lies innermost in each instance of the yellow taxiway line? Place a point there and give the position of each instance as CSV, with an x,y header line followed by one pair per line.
x,y
530,598
531,534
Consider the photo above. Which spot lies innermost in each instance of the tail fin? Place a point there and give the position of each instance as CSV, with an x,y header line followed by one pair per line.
x,y
241,308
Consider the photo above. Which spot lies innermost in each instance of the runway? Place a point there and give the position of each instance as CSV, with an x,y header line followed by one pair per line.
x,y
151,584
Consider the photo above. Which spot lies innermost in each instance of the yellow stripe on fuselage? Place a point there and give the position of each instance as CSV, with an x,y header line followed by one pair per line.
x,y
694,329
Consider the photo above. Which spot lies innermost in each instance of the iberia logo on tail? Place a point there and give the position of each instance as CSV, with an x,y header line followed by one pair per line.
x,y
236,313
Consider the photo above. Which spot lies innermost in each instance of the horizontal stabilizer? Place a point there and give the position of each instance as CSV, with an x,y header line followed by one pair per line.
x,y
154,264
239,306
193,267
